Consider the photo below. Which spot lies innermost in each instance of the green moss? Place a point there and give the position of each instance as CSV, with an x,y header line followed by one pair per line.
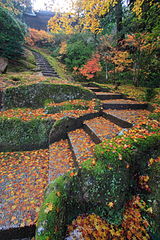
x,y
153,199
16,134
50,224
155,116
25,63
36,95
67,106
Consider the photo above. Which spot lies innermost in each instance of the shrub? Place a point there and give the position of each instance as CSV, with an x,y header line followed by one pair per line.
x,y
77,54
11,35
150,93
39,37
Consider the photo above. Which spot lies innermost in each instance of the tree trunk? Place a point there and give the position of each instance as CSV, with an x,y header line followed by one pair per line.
x,y
106,73
136,74
119,17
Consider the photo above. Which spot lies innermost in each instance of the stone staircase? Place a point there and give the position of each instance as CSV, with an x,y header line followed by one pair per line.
x,y
46,69
81,141
78,143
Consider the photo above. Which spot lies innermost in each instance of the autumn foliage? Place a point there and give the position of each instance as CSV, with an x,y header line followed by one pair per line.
x,y
133,226
90,69
38,37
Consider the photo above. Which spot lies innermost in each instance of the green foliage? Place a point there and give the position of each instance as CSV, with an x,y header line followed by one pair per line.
x,y
150,93
24,135
155,116
77,54
79,50
35,95
11,35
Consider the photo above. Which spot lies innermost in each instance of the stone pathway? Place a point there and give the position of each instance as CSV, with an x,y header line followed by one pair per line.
x,y
23,181
46,69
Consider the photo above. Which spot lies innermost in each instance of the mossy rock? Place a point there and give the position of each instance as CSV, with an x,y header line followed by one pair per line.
x,y
89,192
36,95
62,126
16,134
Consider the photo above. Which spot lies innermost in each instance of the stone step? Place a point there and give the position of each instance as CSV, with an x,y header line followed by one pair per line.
x,y
106,95
126,116
49,71
124,123
124,106
50,75
103,128
21,233
81,144
46,69
60,159
95,89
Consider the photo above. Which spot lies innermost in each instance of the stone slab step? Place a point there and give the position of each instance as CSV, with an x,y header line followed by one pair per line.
x,y
103,128
81,144
49,71
125,106
106,95
44,66
95,89
50,75
130,116
124,123
22,233
60,159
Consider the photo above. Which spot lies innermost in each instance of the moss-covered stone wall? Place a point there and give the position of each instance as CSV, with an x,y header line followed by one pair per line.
x,y
16,134
36,95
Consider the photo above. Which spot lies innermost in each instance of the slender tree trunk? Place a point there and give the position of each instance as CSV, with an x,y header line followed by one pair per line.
x,y
136,74
119,18
106,73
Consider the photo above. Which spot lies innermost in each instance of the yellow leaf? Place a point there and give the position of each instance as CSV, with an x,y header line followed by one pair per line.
x,y
110,204
149,210
48,208
58,194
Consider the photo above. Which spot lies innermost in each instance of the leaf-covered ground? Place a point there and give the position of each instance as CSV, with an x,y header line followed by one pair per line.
x,y
16,79
23,179
60,159
82,145
28,114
